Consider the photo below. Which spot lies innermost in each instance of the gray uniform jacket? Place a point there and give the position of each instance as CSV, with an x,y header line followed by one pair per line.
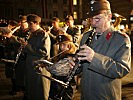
x,y
101,79
76,34
38,47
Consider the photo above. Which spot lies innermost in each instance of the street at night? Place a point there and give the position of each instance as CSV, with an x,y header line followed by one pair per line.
x,y
5,87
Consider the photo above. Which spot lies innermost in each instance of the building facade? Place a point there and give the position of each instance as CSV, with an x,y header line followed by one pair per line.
x,y
11,9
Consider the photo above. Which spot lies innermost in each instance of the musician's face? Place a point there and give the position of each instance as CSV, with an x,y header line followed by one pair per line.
x,y
33,26
64,46
24,24
100,21
70,23
55,24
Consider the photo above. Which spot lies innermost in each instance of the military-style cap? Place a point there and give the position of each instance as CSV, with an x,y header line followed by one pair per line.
x,y
55,19
33,18
68,17
96,6
22,17
63,38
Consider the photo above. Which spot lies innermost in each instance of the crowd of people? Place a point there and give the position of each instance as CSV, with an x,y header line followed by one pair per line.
x,y
25,42
103,55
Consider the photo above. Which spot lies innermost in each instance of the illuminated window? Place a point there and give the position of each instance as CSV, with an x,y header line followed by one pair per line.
x,y
74,2
131,18
75,15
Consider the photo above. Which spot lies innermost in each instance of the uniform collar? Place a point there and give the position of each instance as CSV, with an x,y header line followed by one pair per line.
x,y
110,30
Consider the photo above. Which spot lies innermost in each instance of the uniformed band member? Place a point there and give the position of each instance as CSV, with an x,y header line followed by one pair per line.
x,y
107,59
66,44
54,32
72,30
86,26
11,45
38,47
21,33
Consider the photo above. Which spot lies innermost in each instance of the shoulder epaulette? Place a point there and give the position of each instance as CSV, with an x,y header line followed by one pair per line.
x,y
122,33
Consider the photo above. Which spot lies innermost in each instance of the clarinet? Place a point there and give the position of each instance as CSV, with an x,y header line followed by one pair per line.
x,y
88,43
22,46
21,49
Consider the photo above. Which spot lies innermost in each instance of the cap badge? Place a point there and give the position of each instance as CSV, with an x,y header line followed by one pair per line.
x,y
92,9
92,1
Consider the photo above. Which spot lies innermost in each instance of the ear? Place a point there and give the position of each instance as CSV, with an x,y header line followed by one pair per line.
x,y
109,17
69,46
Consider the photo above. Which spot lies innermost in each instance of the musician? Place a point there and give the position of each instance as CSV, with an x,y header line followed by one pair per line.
x,y
3,23
11,45
106,60
22,33
72,30
86,26
38,47
68,48
54,32
2,41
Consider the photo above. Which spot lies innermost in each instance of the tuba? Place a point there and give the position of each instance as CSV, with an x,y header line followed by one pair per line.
x,y
118,20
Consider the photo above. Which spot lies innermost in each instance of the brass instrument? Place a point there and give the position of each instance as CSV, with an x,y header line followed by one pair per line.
x,y
118,20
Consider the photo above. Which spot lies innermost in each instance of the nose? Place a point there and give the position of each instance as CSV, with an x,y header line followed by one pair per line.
x,y
93,22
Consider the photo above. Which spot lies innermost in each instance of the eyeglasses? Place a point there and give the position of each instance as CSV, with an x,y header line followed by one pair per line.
x,y
97,18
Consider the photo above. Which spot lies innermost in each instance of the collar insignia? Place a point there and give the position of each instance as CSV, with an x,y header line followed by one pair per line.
x,y
108,36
